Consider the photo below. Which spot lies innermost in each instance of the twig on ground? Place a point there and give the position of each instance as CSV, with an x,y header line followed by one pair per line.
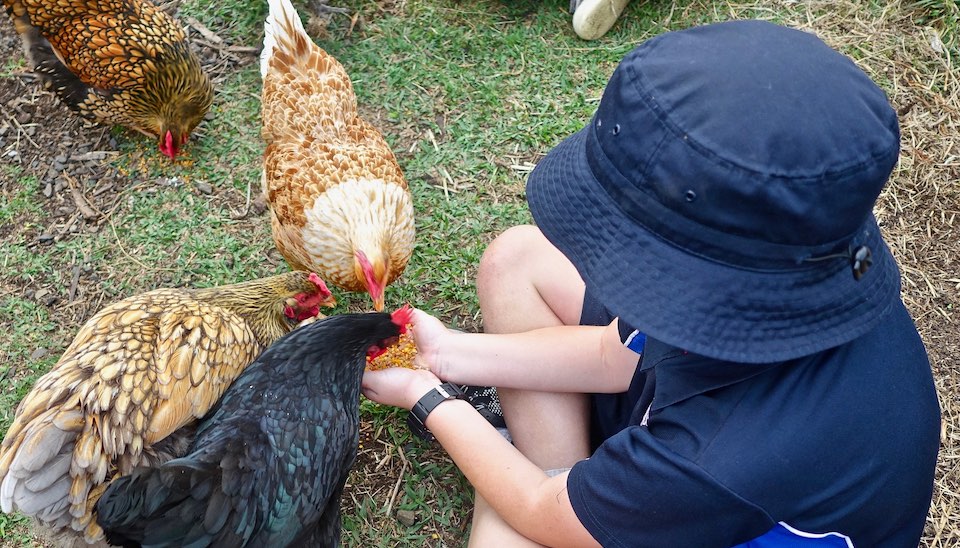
x,y
396,486
74,282
213,40
22,131
204,31
83,205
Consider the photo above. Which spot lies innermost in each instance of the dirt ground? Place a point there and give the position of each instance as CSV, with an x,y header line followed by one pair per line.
x,y
918,212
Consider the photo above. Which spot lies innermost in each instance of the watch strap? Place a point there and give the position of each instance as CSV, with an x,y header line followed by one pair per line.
x,y
426,404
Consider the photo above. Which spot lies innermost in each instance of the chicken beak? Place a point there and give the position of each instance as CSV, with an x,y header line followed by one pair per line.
x,y
310,320
378,303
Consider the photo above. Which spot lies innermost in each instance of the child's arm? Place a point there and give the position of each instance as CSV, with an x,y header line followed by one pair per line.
x,y
535,505
553,359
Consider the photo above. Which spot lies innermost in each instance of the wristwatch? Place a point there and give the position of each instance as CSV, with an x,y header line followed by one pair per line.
x,y
417,418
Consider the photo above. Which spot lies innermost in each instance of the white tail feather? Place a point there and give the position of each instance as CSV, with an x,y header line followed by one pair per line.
x,y
7,487
282,20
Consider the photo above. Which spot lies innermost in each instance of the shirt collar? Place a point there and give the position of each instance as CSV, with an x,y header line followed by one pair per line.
x,y
680,375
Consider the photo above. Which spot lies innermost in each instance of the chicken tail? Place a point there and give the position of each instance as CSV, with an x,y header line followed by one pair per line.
x,y
306,91
52,470
35,476
165,506
48,65
283,31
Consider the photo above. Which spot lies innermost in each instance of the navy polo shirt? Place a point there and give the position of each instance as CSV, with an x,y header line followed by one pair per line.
x,y
834,449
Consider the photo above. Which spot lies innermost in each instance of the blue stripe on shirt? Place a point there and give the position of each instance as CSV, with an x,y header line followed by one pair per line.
x,y
784,536
630,337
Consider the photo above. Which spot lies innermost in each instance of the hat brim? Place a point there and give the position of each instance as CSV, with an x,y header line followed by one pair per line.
x,y
694,303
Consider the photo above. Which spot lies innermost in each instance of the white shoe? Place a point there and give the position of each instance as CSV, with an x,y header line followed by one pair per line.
x,y
593,18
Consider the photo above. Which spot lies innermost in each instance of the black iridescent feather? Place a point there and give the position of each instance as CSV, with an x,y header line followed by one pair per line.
x,y
269,463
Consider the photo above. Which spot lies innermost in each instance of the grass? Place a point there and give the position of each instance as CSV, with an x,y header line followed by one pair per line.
x,y
10,66
12,529
19,201
470,95
944,16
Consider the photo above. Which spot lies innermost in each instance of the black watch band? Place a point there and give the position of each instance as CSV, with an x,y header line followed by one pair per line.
x,y
418,414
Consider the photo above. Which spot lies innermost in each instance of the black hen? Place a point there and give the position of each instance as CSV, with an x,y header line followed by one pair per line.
x,y
268,465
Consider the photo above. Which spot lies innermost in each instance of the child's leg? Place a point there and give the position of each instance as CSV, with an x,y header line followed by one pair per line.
x,y
525,283
489,529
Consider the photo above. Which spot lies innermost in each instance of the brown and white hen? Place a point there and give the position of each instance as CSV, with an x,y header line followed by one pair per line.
x,y
339,203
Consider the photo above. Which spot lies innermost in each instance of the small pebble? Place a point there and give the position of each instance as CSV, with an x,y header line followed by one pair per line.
x,y
39,353
406,517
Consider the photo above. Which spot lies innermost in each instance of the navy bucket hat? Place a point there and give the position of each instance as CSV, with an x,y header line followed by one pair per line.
x,y
721,198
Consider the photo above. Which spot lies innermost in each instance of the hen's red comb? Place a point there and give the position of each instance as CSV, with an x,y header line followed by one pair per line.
x,y
317,281
402,317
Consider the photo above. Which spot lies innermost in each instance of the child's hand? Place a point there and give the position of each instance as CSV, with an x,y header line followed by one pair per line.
x,y
429,333
398,386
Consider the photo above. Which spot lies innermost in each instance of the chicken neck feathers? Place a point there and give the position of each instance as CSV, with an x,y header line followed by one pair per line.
x,y
269,463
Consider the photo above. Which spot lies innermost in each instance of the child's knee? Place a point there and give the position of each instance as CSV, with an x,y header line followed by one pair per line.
x,y
507,257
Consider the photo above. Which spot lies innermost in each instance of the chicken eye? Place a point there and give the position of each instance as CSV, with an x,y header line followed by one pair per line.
x,y
374,351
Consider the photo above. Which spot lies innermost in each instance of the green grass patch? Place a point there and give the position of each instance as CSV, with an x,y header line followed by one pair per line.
x,y
20,199
30,328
